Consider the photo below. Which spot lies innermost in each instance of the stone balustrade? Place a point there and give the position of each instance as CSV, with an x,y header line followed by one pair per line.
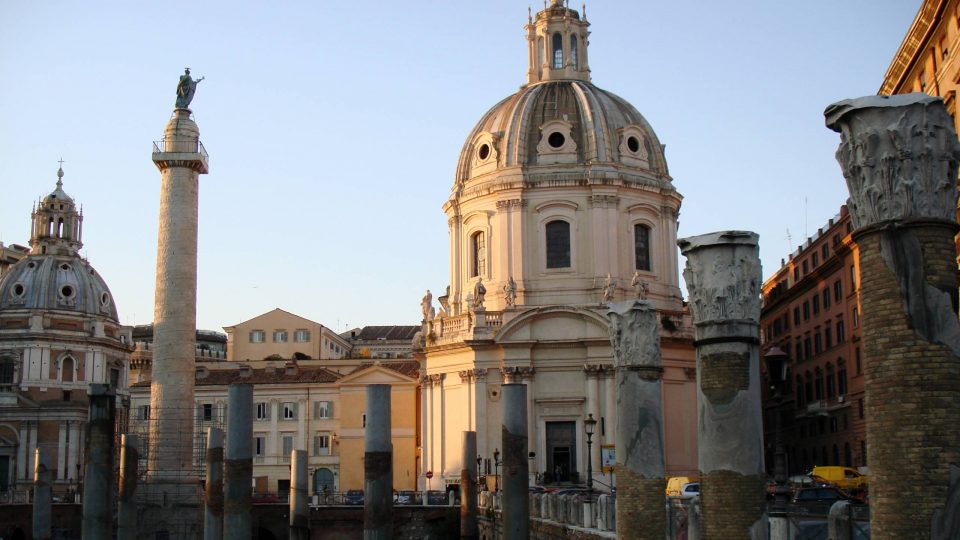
x,y
566,509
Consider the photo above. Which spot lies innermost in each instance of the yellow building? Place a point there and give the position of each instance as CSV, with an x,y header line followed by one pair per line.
x,y
279,333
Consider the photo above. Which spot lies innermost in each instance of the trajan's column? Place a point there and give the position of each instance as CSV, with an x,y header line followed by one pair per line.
x,y
181,159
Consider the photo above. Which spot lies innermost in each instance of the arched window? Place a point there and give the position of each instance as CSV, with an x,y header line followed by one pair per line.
x,y
558,244
323,481
641,246
557,51
60,228
478,255
573,51
66,369
539,53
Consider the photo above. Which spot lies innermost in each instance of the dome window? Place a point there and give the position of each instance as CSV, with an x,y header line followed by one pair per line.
x,y
484,152
641,246
104,299
633,144
18,290
556,139
478,248
634,147
66,292
65,267
573,51
31,264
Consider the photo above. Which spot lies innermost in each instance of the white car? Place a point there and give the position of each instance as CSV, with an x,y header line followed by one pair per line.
x,y
690,490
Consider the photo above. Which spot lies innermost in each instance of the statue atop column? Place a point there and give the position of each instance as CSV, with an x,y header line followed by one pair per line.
x,y
185,89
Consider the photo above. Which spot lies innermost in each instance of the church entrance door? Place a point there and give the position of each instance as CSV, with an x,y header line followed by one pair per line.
x,y
562,451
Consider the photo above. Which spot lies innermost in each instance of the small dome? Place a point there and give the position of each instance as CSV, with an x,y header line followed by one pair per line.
x,y
562,122
56,282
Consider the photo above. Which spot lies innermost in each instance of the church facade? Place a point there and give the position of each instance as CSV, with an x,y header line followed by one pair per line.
x,y
59,333
562,203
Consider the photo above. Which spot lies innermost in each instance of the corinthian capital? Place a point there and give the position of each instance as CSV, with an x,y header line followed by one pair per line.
x,y
899,156
723,276
633,334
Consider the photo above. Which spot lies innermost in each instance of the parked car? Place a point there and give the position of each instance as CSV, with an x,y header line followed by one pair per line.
x,y
823,495
690,490
354,496
406,497
845,478
676,483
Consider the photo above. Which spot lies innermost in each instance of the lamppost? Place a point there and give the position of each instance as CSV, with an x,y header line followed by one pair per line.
x,y
776,361
496,466
589,425
479,464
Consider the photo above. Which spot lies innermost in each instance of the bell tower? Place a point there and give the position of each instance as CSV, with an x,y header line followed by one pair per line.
x,y
557,40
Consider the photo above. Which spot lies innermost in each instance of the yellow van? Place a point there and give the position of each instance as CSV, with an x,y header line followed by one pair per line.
x,y
843,477
675,484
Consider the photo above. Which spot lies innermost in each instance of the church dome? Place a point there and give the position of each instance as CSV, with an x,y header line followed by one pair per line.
x,y
51,282
562,122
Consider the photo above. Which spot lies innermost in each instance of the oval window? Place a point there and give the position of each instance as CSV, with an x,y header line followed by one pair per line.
x,y
104,299
556,139
65,266
484,152
18,290
66,291
633,144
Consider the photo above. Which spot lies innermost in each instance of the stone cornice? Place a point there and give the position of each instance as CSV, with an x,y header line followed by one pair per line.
x,y
927,19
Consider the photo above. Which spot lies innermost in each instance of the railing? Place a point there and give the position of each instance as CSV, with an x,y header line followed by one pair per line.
x,y
182,146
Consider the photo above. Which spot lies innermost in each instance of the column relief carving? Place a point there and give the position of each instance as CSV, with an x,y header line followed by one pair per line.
x,y
724,284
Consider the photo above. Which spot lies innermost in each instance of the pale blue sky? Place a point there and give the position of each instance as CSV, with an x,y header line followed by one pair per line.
x,y
334,129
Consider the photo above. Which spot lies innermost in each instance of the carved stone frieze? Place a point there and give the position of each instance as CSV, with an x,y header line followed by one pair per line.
x,y
480,374
899,156
633,334
604,201
723,276
511,204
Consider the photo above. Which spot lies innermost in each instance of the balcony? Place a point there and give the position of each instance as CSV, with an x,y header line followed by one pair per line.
x,y
181,153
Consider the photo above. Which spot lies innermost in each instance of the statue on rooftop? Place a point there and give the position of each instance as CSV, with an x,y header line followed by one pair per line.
x,y
185,89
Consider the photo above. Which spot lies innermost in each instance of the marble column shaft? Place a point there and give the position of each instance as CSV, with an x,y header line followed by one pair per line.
x,y
515,470
378,466
98,473
468,487
213,486
299,508
238,464
42,496
635,340
723,278
899,157
127,504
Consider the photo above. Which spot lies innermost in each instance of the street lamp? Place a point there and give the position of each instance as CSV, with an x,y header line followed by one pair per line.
x,y
496,466
479,463
589,425
776,361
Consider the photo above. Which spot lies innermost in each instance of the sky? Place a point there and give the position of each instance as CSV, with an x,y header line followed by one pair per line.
x,y
334,129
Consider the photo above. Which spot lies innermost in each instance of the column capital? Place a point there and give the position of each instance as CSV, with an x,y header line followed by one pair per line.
x,y
634,335
723,278
480,374
465,375
899,157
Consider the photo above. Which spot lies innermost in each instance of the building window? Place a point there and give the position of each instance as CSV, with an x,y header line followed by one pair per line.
x,y
301,336
557,50
363,420
478,249
853,277
558,244
796,316
259,446
263,411
641,246
831,384
207,412
842,377
817,342
806,311
825,251
815,260
847,455
143,412
818,385
573,51
323,409
837,290
799,350
841,333
321,445
258,336
279,336
290,411
827,336
805,268
807,349
287,446
796,274
816,304
826,299
859,363
856,317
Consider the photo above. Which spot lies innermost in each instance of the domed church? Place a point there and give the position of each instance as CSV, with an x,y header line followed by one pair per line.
x,y
59,333
562,203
